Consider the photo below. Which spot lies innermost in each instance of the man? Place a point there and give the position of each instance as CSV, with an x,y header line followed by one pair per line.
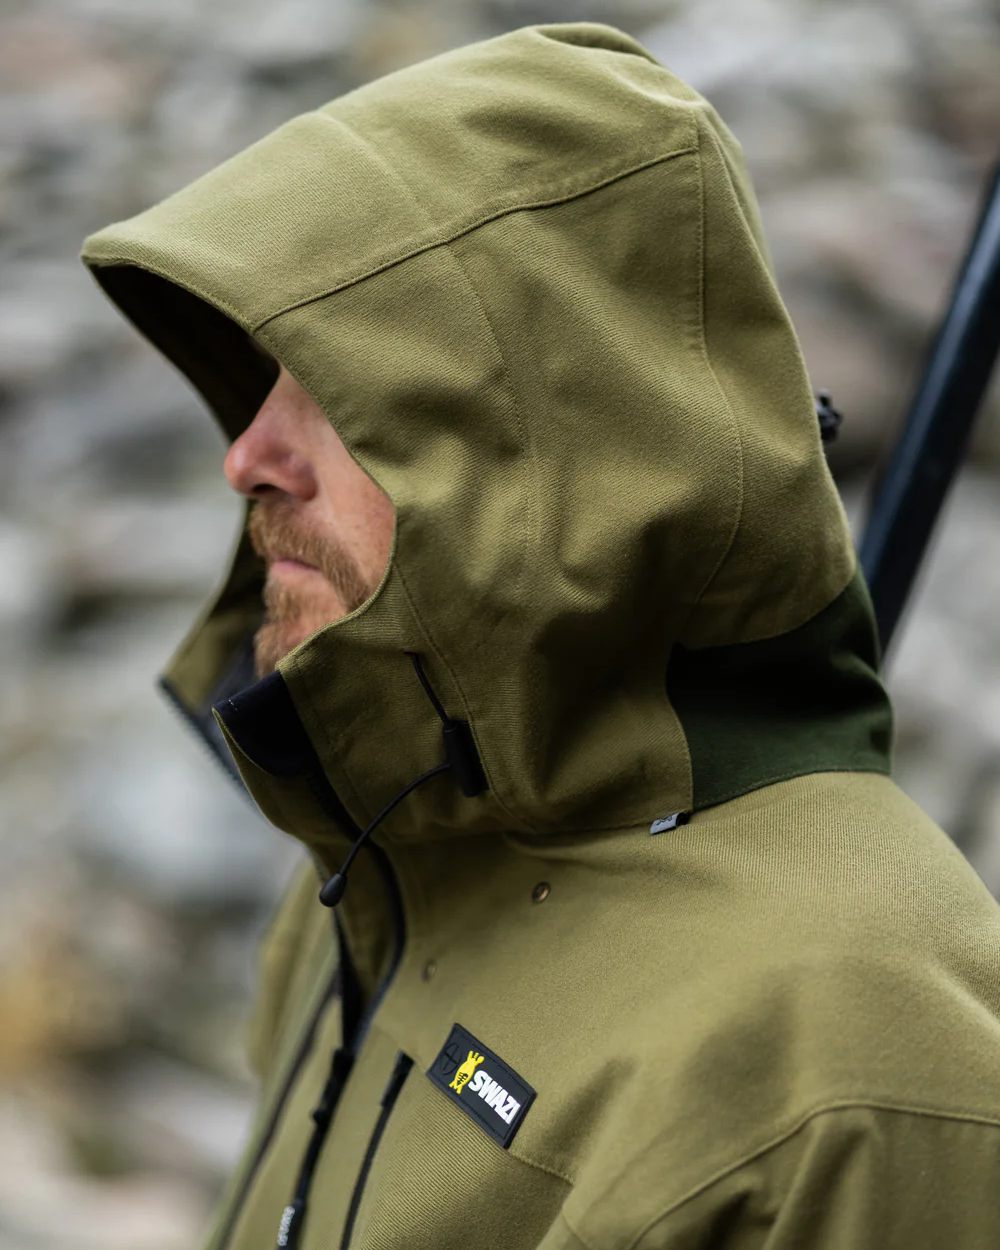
x,y
575,704
321,525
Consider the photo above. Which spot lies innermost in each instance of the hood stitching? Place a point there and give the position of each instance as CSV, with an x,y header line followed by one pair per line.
x,y
733,421
530,531
562,195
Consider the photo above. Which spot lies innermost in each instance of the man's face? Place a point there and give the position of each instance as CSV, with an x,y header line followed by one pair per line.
x,y
319,522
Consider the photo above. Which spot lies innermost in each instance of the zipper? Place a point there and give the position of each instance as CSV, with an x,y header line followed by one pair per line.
x,y
293,1216
278,1105
397,1077
224,760
342,1060
290,1227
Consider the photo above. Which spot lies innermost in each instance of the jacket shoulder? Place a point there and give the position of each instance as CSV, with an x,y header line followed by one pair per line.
x,y
818,978
863,1176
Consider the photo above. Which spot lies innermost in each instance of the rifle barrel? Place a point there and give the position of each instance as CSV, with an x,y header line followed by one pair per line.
x,y
910,490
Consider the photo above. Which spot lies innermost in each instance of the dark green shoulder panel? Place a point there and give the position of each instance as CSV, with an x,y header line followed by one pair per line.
x,y
810,700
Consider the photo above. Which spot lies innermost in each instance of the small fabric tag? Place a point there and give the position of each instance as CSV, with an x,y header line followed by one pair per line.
x,y
486,1088
669,822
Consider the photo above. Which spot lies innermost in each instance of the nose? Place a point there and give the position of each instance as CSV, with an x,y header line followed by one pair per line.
x,y
265,457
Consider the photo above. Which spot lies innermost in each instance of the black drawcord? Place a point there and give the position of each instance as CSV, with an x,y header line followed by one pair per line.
x,y
461,757
415,657
334,887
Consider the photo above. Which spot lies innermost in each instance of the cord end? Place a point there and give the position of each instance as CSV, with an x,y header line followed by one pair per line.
x,y
333,890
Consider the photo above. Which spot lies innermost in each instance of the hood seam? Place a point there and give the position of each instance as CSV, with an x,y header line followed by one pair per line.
x,y
726,406
784,1135
530,533
506,210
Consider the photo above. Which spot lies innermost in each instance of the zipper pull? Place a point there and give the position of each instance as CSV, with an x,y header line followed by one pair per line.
x,y
290,1226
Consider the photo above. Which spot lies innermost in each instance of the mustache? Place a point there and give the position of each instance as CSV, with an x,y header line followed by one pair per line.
x,y
275,532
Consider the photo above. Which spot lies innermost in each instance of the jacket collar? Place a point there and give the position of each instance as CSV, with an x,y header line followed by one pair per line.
x,y
751,714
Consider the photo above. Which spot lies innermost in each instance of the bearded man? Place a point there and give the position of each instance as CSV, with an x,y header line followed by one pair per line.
x,y
546,637
321,525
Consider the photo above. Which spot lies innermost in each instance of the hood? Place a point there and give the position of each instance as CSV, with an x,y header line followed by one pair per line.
x,y
527,282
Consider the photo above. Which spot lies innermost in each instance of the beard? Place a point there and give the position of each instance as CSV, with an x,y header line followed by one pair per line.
x,y
301,602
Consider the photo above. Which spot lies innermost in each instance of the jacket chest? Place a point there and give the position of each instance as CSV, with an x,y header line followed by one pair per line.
x,y
403,1162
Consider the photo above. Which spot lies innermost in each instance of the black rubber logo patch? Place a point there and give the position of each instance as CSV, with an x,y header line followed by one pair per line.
x,y
485,1087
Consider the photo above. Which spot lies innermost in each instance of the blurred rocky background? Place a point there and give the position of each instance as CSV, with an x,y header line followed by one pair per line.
x,y
136,879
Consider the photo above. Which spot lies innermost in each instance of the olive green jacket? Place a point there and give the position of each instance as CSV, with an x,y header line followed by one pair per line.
x,y
664,958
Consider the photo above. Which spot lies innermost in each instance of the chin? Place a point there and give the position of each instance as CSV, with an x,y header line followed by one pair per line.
x,y
274,640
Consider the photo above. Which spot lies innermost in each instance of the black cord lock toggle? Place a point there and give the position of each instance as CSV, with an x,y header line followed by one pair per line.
x,y
829,417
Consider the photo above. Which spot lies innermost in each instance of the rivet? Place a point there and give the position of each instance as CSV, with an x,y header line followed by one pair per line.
x,y
541,892
430,967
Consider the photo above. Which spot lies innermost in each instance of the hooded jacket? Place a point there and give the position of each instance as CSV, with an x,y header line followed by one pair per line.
x,y
655,954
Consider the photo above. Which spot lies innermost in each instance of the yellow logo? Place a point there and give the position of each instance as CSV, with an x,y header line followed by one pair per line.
x,y
461,1077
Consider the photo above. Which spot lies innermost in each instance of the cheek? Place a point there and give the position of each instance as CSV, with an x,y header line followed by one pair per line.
x,y
352,504
381,521
382,514
364,514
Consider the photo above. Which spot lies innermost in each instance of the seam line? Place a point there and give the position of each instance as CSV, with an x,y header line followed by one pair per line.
x,y
860,1104
471,227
